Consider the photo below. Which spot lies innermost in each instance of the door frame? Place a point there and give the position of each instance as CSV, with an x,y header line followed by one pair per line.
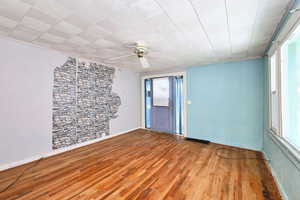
x,y
185,107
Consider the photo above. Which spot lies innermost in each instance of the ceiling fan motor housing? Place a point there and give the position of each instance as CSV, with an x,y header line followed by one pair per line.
x,y
140,51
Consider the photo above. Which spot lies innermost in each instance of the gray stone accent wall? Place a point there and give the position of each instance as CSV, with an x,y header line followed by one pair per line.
x,y
83,102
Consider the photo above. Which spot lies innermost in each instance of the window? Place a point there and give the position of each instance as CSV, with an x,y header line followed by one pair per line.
x,y
161,91
284,68
274,93
290,89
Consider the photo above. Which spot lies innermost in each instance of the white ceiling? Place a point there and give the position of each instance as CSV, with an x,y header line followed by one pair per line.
x,y
180,33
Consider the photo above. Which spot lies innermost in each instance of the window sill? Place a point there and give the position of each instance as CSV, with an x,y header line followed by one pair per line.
x,y
287,149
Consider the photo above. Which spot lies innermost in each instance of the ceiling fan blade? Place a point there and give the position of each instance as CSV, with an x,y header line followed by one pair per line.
x,y
135,44
144,62
120,57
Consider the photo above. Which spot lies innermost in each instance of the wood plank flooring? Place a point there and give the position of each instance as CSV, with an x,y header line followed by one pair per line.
x,y
144,165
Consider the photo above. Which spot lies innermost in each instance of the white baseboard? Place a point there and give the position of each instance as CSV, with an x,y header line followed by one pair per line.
x,y
58,151
281,190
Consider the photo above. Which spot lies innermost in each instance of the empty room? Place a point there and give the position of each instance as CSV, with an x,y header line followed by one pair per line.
x,y
150,99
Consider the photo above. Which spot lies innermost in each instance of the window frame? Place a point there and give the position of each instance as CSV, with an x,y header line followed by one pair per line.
x,y
289,150
276,49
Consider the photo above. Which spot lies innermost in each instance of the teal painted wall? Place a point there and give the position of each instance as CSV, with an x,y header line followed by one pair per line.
x,y
285,167
227,103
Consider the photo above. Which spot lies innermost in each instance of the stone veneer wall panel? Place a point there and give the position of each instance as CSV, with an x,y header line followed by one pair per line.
x,y
83,102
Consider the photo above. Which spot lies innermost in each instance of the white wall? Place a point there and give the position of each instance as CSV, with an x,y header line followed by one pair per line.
x,y
26,82
127,86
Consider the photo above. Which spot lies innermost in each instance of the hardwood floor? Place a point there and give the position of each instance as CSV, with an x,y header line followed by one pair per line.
x,y
144,165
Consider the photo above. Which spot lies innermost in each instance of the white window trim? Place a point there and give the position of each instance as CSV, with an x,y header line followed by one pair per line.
x,y
278,89
292,153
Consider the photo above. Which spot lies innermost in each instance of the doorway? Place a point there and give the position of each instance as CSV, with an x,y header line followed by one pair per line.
x,y
163,103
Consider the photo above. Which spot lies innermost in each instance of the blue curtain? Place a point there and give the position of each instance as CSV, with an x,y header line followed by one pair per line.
x,y
148,102
179,104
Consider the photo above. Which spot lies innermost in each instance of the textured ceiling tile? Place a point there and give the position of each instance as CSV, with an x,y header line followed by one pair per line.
x,y
110,6
87,50
53,8
6,22
4,31
94,32
179,33
89,36
31,2
276,5
52,38
23,28
35,24
213,16
62,47
146,8
94,14
13,9
113,25
68,44
78,21
6,2
78,41
110,53
76,5
274,14
58,34
42,42
241,33
104,43
184,17
24,33
260,28
67,28
161,24
37,14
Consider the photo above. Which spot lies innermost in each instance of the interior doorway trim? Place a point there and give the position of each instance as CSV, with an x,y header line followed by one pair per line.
x,y
185,107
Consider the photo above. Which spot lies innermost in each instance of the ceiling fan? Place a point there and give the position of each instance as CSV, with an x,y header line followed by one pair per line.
x,y
140,50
